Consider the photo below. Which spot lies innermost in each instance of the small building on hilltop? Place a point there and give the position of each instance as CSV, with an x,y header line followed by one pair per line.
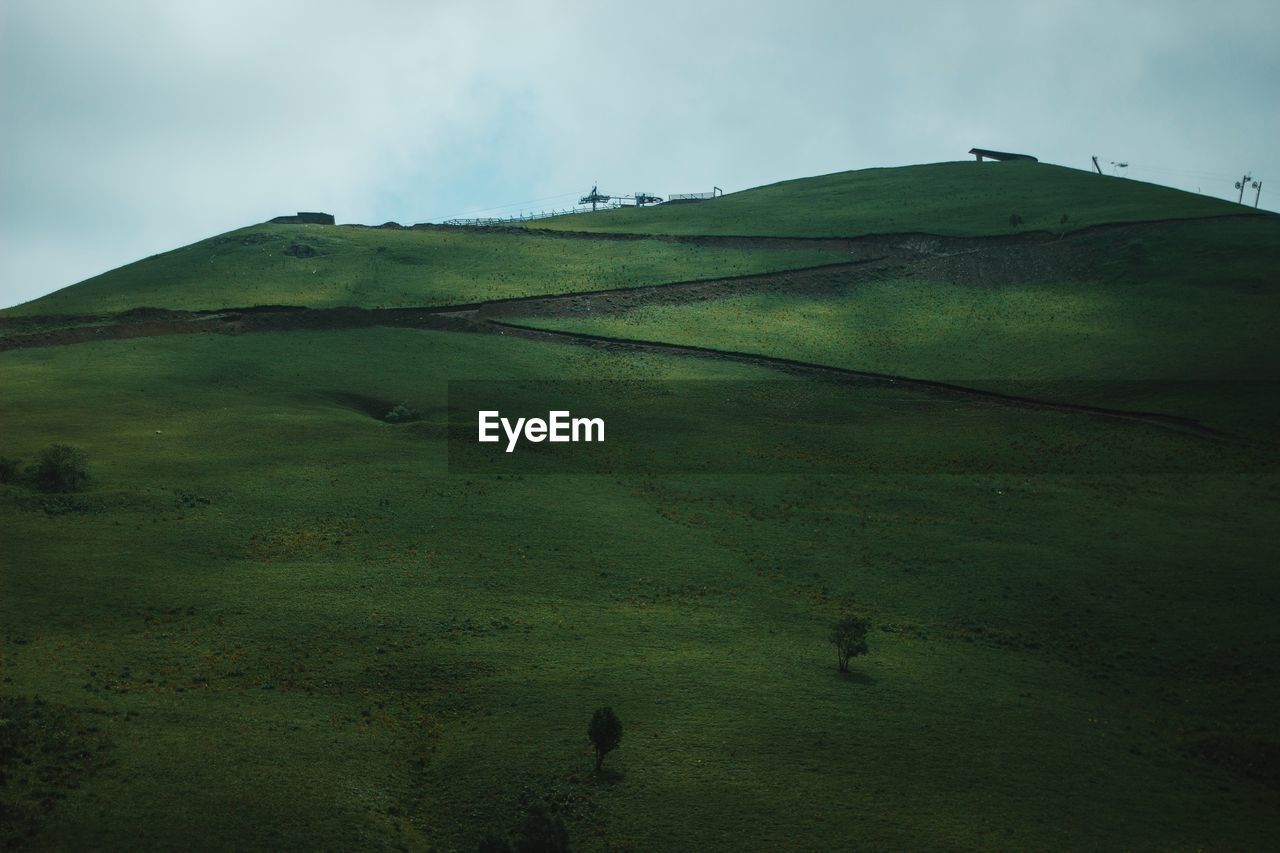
x,y
304,218
983,153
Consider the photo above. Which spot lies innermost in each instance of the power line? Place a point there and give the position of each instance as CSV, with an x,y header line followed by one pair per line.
x,y
1186,172
1169,170
518,203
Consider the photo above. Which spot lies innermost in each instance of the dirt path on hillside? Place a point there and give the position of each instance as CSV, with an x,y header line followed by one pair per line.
x,y
471,319
967,261
60,330
980,262
901,256
823,280
862,377
239,321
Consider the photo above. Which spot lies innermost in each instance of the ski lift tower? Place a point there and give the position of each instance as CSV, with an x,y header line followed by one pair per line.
x,y
594,197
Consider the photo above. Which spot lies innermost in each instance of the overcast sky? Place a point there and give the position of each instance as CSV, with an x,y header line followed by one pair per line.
x,y
130,128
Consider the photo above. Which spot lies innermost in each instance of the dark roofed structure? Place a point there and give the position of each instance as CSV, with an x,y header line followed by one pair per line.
x,y
981,153
304,218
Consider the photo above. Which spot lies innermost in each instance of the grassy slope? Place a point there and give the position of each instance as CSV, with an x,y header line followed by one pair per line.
x,y
280,623
349,647
1192,304
374,267
942,198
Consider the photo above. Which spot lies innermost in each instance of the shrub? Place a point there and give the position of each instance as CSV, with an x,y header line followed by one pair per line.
x,y
849,636
1015,220
60,468
9,469
400,413
605,732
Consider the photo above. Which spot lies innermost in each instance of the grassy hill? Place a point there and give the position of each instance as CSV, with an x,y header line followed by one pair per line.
x,y
270,599
1185,304
377,267
278,617
967,198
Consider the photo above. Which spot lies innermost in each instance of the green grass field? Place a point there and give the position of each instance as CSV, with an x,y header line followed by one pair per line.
x,y
375,267
966,198
273,620
1186,307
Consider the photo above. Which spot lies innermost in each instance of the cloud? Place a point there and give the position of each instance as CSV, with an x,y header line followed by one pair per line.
x,y
134,127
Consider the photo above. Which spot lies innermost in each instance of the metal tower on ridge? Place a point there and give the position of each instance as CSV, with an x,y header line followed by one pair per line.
x,y
594,197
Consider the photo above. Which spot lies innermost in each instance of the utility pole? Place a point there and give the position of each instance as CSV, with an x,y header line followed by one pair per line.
x,y
1257,185
1241,184
1095,164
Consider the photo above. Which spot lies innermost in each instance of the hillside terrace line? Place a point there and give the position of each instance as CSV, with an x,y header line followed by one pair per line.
x,y
55,330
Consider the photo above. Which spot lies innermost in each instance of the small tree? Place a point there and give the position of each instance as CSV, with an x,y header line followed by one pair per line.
x,y
605,732
541,831
9,469
60,468
849,636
